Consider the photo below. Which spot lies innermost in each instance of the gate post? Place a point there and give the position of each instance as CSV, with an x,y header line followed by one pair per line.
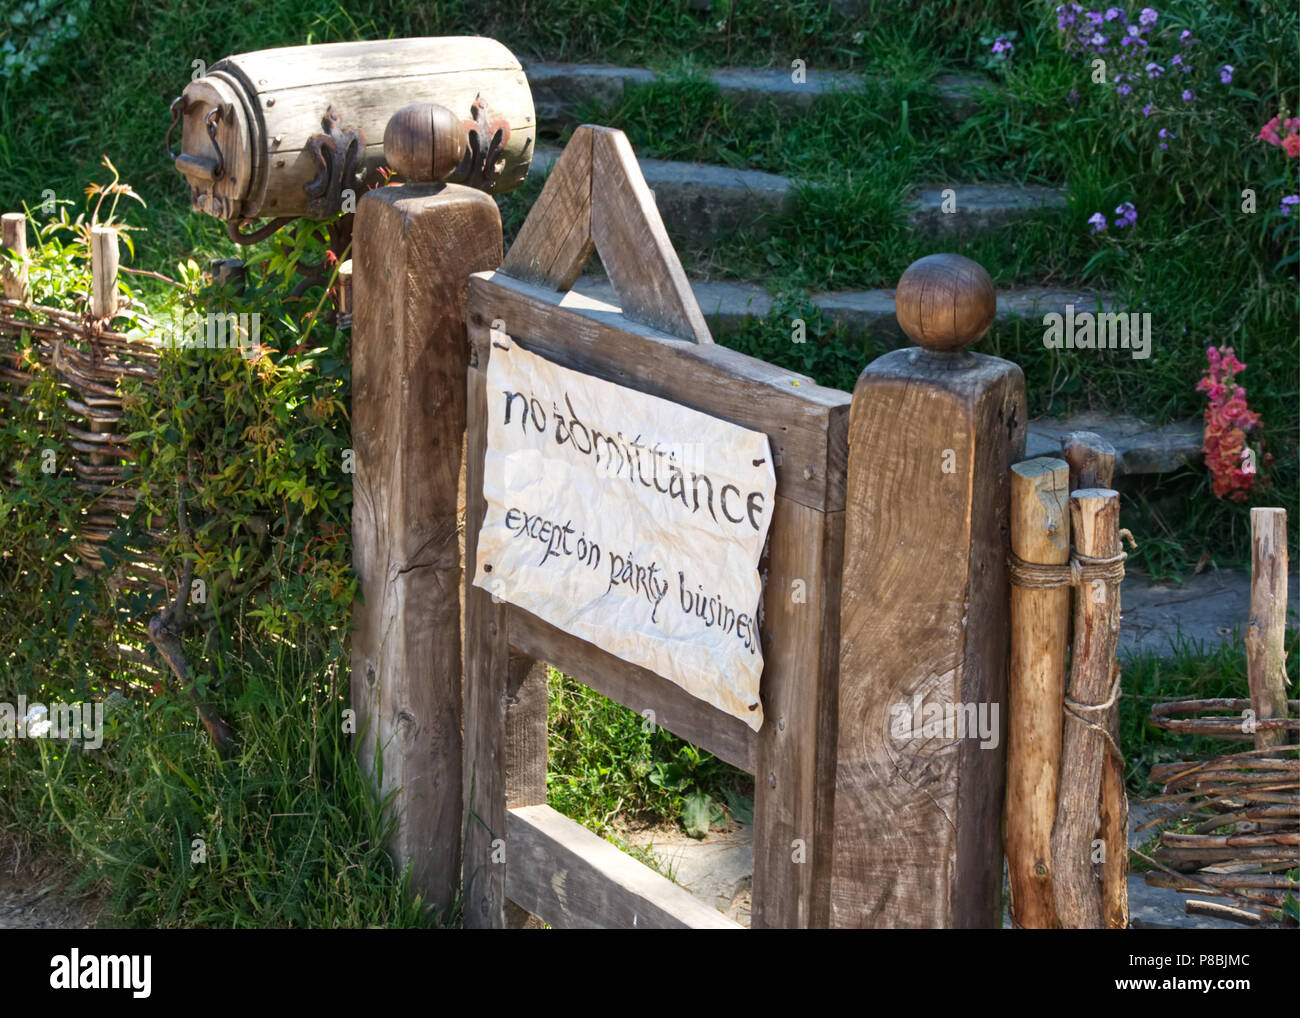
x,y
415,246
924,619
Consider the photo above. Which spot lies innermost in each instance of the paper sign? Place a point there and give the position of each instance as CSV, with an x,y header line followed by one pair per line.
x,y
629,521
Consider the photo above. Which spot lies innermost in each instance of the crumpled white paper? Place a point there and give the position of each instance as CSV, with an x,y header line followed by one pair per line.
x,y
629,521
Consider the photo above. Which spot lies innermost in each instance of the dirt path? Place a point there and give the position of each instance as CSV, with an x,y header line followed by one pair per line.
x,y
34,896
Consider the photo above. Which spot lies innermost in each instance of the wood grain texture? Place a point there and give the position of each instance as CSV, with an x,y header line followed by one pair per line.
x,y
636,688
281,96
572,879
13,238
1266,631
633,243
794,786
525,732
487,680
424,142
103,271
415,247
1092,465
1040,626
1091,459
1094,516
924,614
945,302
555,241
805,423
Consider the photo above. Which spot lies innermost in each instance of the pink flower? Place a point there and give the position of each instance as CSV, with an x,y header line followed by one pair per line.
x,y
1226,423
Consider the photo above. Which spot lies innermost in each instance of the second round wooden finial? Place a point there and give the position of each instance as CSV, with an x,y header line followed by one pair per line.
x,y
945,302
424,142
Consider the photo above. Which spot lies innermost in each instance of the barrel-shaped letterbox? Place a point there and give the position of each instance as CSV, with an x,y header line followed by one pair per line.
x,y
285,132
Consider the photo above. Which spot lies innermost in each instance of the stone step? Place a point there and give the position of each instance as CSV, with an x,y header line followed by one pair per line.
x,y
728,306
1140,447
559,90
702,203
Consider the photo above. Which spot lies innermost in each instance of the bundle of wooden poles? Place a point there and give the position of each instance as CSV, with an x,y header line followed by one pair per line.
x,y
1243,809
1066,808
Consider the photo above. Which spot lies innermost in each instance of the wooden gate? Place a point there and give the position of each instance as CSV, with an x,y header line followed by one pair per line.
x,y
885,580
515,844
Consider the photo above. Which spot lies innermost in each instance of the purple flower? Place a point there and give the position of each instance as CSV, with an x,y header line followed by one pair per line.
x,y
1113,12
1185,37
1095,17
1133,30
1126,214
1188,95
1067,14
1098,222
1123,89
1177,59
1148,16
1000,45
1146,110
1225,73
1166,134
1097,40
1073,97
1287,202
1154,70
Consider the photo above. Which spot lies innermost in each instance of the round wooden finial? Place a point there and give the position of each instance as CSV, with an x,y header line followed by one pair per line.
x,y
424,142
945,302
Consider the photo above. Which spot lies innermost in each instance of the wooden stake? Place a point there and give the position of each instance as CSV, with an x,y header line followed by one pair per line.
x,y
103,267
227,271
103,306
1092,465
13,237
1040,623
1094,514
1265,653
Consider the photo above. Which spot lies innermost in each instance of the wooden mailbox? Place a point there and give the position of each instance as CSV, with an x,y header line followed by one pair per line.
x,y
281,132
657,344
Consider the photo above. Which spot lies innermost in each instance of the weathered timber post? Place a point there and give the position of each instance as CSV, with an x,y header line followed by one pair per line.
x,y
229,272
1266,631
1040,633
1092,465
415,246
103,270
13,237
924,621
1092,687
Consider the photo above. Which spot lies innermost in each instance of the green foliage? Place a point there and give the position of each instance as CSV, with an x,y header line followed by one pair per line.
x,y
605,762
255,443
35,32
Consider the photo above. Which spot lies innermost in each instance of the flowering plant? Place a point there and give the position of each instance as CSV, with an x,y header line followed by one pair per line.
x,y
1161,74
1230,461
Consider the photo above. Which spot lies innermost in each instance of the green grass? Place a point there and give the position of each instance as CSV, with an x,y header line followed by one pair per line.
x,y
291,833
609,767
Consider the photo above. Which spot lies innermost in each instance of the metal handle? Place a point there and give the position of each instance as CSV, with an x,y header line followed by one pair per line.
x,y
213,118
178,111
